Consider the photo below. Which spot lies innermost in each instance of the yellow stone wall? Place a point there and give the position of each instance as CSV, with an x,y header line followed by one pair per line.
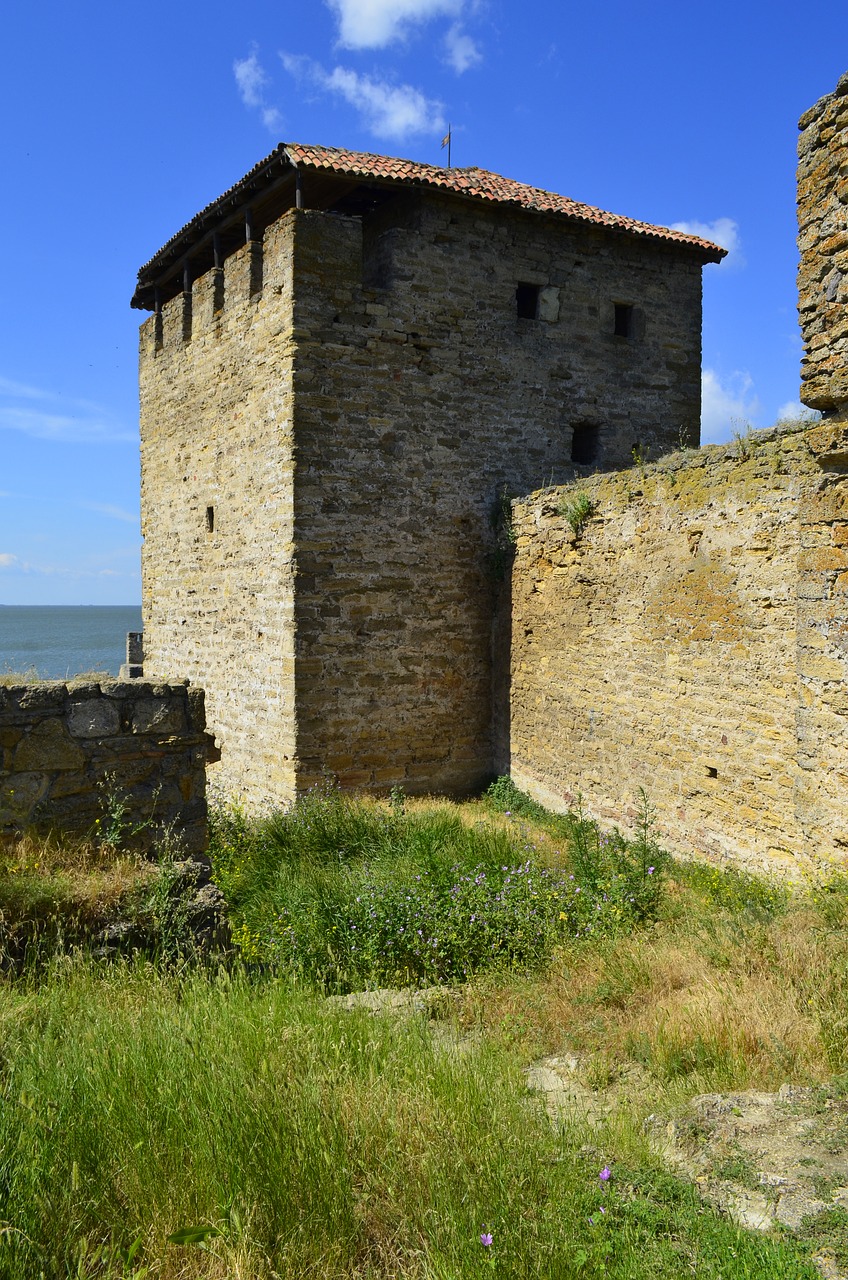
x,y
691,641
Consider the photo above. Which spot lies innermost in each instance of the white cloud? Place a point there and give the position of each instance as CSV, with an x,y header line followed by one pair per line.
x,y
724,231
7,559
793,409
253,81
461,50
272,119
726,408
389,110
57,417
373,24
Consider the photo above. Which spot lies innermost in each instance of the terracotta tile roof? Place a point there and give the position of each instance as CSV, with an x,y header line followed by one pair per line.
x,y
481,184
471,183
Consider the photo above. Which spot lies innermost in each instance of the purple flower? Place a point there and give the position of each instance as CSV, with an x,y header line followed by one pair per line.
x,y
605,1174
651,870
485,1238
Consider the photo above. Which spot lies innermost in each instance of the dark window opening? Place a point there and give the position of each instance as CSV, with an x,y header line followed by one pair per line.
x,y
584,445
210,519
527,301
623,320
712,772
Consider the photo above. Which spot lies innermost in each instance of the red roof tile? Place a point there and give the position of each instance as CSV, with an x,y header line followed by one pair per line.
x,y
471,183
481,184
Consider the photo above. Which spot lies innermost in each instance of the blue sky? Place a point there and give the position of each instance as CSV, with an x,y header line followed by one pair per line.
x,y
121,122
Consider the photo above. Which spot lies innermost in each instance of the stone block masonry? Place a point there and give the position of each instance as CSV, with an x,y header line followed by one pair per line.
x,y
323,447
692,641
823,246
71,752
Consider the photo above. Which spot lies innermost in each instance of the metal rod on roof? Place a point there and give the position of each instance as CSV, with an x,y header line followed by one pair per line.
x,y
446,142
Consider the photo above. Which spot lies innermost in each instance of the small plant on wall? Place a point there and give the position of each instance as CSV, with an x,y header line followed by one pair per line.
x,y
577,511
504,535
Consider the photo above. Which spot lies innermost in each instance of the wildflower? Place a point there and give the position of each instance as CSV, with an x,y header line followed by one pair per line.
x,y
605,1174
651,870
485,1238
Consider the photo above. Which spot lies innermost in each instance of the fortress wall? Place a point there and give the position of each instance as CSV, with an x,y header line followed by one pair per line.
x,y
823,245
419,396
70,751
217,450
691,642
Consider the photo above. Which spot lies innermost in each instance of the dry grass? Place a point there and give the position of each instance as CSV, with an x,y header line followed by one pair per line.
x,y
54,888
12,679
704,1000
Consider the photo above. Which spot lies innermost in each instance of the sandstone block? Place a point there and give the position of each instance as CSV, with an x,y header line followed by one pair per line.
x,y
48,747
158,715
92,718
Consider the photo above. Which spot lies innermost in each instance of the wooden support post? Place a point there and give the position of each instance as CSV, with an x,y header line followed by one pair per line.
x,y
298,190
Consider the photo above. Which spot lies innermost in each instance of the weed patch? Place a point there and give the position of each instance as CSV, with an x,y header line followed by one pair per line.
x,y
350,893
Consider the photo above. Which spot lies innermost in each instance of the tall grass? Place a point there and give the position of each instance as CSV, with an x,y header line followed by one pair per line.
x,y
350,893
179,1125
157,1120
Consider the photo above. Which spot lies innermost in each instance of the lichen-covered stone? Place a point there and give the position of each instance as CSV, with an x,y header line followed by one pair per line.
x,y
693,642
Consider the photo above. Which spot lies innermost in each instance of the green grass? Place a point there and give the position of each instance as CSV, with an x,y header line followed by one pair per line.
x,y
351,893
163,1119
287,1138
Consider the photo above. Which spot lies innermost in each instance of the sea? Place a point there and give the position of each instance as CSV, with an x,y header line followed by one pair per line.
x,y
55,642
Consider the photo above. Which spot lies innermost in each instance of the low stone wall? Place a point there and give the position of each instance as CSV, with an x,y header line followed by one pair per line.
x,y
692,640
88,757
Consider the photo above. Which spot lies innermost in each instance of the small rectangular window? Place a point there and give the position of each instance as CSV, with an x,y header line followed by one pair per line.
x,y
584,444
623,320
210,519
527,301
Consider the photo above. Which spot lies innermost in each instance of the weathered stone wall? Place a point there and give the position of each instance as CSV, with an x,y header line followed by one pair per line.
x,y
352,421
692,641
217,457
70,752
823,245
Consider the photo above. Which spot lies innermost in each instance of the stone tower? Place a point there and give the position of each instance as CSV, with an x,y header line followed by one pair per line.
x,y
350,363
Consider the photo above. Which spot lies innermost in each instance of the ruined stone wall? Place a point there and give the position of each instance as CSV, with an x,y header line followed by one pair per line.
x,y
217,505
823,245
692,642
71,752
420,394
